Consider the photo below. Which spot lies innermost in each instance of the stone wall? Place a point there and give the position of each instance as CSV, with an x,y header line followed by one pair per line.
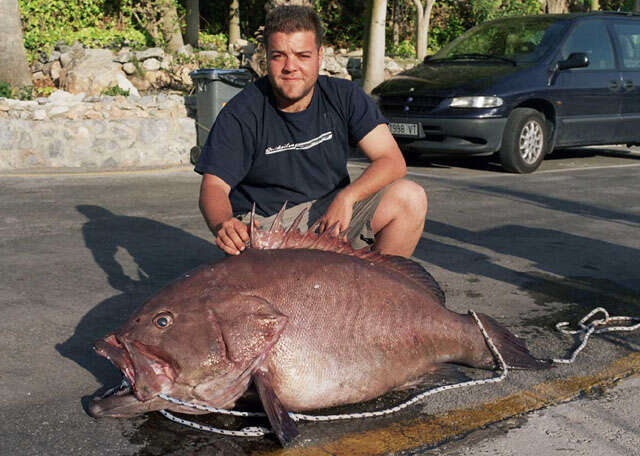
x,y
74,131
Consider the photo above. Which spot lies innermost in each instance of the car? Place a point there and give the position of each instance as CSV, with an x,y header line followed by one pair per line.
x,y
520,87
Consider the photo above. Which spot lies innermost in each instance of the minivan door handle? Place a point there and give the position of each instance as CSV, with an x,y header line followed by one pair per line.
x,y
628,84
614,85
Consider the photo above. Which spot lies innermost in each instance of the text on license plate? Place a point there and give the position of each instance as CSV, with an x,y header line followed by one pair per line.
x,y
404,129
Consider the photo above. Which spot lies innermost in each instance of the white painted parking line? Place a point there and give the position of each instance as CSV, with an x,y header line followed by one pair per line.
x,y
634,165
504,175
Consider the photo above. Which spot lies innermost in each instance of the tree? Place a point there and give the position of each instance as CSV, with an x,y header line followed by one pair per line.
x,y
556,6
170,25
234,21
374,66
160,19
193,22
423,14
13,61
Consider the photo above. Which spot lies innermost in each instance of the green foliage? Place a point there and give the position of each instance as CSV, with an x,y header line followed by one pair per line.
x,y
343,21
406,48
216,42
46,22
24,93
222,61
5,90
485,10
617,5
115,91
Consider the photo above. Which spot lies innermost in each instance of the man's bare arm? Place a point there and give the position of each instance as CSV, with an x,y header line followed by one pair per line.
x,y
231,234
387,165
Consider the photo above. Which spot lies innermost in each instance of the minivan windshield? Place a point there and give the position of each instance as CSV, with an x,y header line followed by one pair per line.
x,y
516,40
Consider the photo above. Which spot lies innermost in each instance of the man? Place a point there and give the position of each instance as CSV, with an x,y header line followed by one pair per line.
x,y
287,137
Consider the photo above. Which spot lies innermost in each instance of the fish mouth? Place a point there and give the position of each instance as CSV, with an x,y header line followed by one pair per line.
x,y
111,348
146,374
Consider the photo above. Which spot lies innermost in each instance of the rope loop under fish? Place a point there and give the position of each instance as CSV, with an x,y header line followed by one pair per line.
x,y
594,327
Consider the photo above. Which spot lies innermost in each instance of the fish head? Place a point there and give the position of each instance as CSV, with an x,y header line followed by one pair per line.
x,y
192,343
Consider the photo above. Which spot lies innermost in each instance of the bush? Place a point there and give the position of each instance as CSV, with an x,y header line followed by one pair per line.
x,y
47,22
24,93
405,48
217,42
5,90
115,91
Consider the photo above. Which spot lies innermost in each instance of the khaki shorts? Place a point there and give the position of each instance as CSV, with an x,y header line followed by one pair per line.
x,y
360,231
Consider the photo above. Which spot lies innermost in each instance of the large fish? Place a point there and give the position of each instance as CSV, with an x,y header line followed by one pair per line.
x,y
312,322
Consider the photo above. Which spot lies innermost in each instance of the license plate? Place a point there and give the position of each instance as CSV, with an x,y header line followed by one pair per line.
x,y
404,129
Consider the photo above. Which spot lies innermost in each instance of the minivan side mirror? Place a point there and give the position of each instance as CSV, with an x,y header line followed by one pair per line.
x,y
575,60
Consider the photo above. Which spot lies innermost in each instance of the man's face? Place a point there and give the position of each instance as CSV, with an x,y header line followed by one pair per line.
x,y
293,66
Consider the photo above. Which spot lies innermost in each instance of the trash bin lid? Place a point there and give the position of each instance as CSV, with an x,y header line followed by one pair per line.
x,y
236,77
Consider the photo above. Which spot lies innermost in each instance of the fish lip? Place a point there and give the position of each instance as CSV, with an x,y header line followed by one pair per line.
x,y
148,373
115,351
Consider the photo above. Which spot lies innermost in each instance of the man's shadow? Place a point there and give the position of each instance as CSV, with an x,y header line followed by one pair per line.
x,y
139,256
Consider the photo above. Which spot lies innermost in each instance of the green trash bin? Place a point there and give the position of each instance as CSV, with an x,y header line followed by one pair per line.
x,y
214,88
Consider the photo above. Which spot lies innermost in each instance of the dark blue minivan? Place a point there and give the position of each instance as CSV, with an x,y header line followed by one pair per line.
x,y
521,87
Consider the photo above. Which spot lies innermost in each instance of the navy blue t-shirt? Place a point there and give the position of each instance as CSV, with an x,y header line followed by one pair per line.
x,y
268,156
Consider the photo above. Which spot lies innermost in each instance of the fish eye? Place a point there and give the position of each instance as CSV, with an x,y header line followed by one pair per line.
x,y
163,320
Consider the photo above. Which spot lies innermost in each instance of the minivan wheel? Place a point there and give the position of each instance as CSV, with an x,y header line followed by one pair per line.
x,y
525,141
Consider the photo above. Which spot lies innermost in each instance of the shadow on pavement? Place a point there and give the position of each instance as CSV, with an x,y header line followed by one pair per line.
x,y
580,272
160,253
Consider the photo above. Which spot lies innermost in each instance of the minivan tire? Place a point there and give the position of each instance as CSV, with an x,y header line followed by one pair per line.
x,y
525,141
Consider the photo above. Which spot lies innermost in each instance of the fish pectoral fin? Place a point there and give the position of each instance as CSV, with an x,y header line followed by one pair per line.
x,y
283,425
439,374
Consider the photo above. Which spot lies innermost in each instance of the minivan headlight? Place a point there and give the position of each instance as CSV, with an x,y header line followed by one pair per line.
x,y
476,102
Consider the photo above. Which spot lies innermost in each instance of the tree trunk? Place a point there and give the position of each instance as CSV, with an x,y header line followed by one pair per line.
x,y
557,6
170,25
595,5
13,60
395,22
421,31
427,20
636,6
234,22
374,71
193,22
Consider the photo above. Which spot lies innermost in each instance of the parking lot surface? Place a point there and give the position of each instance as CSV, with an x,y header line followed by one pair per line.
x,y
82,250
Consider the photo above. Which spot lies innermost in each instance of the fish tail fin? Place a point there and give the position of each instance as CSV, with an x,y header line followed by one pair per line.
x,y
513,349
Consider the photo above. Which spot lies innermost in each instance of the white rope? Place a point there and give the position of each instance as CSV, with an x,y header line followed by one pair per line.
x,y
244,432
593,328
586,329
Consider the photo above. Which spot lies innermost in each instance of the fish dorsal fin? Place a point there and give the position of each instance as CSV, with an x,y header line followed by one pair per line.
x,y
277,237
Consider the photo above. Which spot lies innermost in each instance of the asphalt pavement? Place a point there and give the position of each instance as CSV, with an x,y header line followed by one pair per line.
x,y
81,250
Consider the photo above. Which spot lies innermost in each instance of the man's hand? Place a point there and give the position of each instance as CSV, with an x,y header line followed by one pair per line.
x,y
340,211
232,236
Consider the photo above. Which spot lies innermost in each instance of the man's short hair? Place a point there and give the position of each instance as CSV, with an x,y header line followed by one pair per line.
x,y
293,18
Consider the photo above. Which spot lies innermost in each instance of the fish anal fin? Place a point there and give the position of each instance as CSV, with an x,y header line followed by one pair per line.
x,y
282,424
439,374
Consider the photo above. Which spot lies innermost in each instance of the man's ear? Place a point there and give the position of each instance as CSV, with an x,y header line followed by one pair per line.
x,y
320,54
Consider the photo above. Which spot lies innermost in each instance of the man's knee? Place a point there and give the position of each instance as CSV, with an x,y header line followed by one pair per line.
x,y
409,198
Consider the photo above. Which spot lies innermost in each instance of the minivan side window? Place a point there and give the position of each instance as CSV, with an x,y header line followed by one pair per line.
x,y
590,37
628,36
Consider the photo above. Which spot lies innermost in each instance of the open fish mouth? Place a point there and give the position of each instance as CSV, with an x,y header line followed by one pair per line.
x,y
111,348
146,373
